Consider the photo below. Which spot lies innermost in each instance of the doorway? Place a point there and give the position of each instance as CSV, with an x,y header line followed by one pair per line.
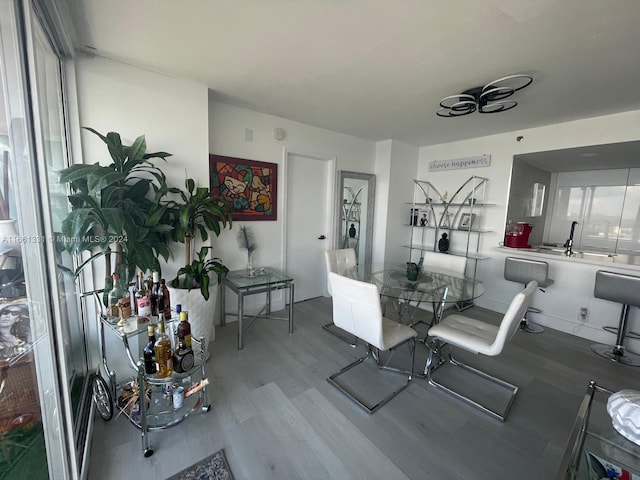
x,y
309,197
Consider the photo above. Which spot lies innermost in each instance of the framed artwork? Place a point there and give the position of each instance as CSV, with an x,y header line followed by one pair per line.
x,y
249,186
466,221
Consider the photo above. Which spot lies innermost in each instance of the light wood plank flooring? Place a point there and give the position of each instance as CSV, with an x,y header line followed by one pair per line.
x,y
276,416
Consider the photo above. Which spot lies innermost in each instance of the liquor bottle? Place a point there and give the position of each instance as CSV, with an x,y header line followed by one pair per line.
x,y
143,302
183,359
149,353
155,294
162,349
114,297
183,330
166,300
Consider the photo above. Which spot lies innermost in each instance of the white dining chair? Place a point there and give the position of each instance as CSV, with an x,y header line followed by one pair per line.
x,y
480,338
357,310
343,262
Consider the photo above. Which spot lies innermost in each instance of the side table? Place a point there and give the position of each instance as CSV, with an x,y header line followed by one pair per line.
x,y
265,280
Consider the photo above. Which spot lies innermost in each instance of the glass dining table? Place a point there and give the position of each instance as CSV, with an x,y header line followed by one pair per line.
x,y
433,286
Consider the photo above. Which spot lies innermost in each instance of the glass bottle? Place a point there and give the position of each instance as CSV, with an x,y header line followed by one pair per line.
x,y
166,299
183,330
183,360
149,353
155,294
143,302
162,350
116,293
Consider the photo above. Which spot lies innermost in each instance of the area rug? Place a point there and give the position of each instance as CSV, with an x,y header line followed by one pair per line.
x,y
214,467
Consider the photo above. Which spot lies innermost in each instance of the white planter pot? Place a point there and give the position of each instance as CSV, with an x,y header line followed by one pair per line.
x,y
201,312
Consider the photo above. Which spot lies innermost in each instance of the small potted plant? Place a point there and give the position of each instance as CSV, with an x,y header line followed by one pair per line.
x,y
196,213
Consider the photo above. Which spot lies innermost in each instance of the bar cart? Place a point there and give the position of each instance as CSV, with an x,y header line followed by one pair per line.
x,y
154,409
595,450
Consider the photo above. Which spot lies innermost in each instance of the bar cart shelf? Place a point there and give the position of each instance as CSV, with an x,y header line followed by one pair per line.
x,y
156,412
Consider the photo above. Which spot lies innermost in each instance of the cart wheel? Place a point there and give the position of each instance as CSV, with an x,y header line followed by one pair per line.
x,y
206,408
102,398
148,452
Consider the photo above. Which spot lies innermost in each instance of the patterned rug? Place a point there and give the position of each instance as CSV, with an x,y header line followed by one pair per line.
x,y
214,467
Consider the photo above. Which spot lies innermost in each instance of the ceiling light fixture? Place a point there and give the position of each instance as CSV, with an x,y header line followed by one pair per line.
x,y
487,99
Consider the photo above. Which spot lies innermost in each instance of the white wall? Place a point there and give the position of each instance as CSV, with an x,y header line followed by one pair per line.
x,y
574,283
170,113
227,137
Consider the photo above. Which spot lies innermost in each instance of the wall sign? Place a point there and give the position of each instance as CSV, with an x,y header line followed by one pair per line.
x,y
458,163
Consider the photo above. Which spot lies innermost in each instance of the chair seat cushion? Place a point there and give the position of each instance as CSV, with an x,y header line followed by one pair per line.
x,y
466,333
394,333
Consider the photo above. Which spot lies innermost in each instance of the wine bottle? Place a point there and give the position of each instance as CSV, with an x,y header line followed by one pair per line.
x,y
183,330
143,302
162,349
149,353
166,300
155,294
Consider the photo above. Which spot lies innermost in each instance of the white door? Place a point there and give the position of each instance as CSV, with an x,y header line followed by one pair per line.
x,y
307,227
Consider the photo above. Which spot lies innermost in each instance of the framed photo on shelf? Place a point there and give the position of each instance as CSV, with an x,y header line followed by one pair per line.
x,y
466,221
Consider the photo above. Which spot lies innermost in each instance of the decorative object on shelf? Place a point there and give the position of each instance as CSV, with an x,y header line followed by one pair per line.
x,y
445,220
424,221
128,401
249,186
443,243
624,409
247,242
352,231
487,99
413,219
466,221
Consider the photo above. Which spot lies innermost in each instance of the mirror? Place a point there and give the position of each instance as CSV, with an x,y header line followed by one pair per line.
x,y
354,216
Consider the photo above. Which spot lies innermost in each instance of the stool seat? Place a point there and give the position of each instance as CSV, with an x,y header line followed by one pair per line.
x,y
524,270
620,288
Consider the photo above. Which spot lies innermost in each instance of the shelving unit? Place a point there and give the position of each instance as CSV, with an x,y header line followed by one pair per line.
x,y
460,216
158,413
351,215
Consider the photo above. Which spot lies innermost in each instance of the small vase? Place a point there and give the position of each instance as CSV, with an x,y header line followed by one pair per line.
x,y
251,271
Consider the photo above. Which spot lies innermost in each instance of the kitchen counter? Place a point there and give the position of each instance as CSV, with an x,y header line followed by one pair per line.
x,y
578,256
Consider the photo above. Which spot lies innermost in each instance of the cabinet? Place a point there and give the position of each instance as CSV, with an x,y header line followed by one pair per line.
x,y
157,412
459,216
595,449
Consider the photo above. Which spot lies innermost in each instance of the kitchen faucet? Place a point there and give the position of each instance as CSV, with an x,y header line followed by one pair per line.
x,y
568,245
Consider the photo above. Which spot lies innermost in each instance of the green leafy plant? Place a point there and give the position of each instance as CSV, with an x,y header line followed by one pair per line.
x,y
197,212
196,274
118,208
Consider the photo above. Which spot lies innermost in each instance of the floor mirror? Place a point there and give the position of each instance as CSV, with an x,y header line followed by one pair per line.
x,y
354,215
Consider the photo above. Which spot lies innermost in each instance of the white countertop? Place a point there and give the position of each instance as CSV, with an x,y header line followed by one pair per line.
x,y
593,258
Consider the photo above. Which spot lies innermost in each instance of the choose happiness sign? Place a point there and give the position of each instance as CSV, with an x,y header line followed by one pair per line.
x,y
459,163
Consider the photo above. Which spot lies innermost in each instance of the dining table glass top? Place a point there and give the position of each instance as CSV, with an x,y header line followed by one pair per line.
x,y
431,286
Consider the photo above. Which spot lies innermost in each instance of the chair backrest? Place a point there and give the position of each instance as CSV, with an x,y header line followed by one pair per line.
x,y
523,270
356,308
436,261
511,320
617,287
343,262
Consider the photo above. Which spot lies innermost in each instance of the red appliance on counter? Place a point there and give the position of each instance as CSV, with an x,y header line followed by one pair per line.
x,y
517,235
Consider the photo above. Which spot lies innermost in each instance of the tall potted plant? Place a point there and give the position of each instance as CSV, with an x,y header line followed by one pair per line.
x,y
117,210
195,214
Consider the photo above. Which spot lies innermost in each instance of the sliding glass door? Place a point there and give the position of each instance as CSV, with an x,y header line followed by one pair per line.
x,y
43,366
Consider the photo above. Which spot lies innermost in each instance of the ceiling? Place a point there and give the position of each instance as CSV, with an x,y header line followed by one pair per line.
x,y
378,69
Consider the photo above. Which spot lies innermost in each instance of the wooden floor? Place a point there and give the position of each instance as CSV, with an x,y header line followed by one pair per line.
x,y
276,416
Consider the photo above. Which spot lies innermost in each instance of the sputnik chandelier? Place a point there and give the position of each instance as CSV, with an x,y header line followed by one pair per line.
x,y
487,99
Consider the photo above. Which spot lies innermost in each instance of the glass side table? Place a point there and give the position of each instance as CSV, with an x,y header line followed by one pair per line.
x,y
266,280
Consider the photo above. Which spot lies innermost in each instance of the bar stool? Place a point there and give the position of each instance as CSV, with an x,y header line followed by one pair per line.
x,y
617,287
523,270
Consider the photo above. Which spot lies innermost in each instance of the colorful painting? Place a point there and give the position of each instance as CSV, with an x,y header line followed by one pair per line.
x,y
249,186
